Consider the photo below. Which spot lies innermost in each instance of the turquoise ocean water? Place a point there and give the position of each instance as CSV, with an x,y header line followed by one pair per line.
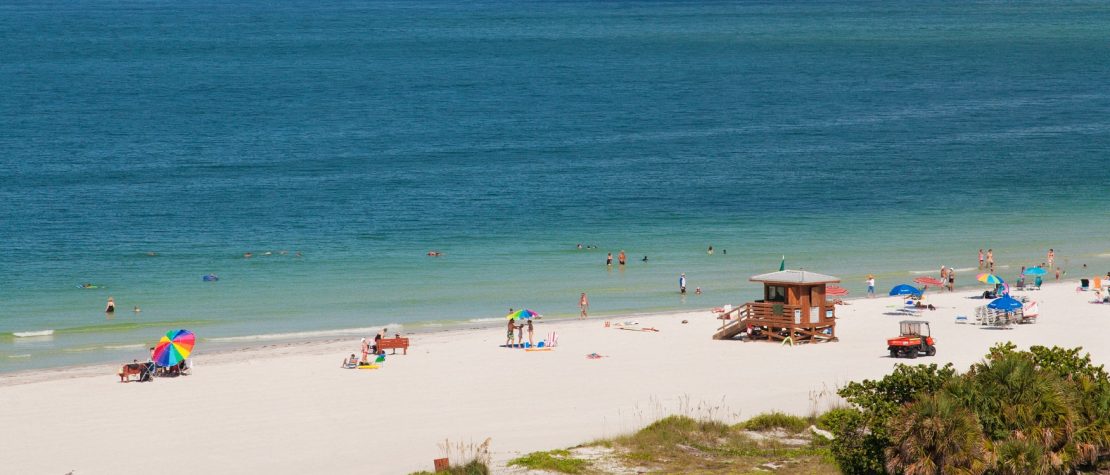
x,y
853,137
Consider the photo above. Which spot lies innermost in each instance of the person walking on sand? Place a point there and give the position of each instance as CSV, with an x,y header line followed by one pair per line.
x,y
111,308
980,258
870,286
620,257
682,284
509,334
609,260
583,305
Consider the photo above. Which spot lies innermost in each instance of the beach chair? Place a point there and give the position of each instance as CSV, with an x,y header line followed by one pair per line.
x,y
147,373
1084,284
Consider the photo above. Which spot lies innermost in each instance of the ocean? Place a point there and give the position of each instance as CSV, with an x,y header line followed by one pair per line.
x,y
144,145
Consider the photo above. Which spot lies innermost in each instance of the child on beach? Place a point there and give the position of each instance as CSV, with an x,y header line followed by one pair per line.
x,y
870,286
520,334
350,362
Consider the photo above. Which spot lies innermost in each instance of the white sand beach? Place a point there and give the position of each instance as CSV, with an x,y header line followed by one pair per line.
x,y
290,409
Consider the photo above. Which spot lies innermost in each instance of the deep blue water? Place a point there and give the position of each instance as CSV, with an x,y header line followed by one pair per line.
x,y
853,137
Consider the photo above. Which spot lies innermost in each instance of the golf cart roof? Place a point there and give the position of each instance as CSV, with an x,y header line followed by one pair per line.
x,y
913,321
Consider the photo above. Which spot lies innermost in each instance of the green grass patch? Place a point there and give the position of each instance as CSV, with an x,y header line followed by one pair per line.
x,y
776,420
554,460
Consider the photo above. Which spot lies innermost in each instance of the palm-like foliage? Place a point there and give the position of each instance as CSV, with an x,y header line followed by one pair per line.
x,y
1021,457
1016,400
936,435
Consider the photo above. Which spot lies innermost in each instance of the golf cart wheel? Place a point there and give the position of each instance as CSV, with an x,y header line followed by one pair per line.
x,y
912,353
931,351
893,353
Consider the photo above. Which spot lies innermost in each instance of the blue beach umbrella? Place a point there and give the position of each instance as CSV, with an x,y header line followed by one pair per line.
x,y
1035,271
1006,303
904,289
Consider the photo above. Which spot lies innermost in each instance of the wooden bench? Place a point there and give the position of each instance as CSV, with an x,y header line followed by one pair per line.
x,y
394,343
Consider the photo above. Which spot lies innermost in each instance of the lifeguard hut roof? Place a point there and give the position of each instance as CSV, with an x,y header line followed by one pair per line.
x,y
790,276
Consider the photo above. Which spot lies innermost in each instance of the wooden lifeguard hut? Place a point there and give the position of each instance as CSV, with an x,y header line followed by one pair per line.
x,y
793,306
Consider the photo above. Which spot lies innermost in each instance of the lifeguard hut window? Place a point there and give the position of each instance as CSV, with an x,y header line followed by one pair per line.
x,y
776,293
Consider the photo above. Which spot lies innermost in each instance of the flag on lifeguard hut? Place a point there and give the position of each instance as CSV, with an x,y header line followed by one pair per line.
x,y
782,265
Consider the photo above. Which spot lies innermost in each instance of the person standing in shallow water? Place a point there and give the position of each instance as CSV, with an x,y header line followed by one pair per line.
x,y
682,284
609,260
620,257
870,286
111,307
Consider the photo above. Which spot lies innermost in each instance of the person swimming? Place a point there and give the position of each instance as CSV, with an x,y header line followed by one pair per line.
x,y
644,259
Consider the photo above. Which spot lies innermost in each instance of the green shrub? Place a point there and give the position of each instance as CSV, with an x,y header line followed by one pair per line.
x,y
1045,410
855,449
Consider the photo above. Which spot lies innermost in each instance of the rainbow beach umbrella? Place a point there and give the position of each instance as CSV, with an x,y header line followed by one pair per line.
x,y
989,279
522,313
174,347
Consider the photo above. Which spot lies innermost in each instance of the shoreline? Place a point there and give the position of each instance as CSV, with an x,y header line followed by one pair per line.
x,y
225,344
269,342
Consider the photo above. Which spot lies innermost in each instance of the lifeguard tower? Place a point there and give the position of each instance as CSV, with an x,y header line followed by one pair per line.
x,y
793,307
